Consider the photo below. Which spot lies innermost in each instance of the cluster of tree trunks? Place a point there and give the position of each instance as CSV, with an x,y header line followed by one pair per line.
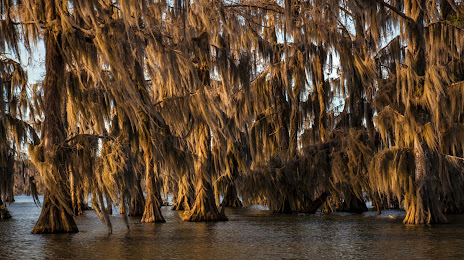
x,y
278,87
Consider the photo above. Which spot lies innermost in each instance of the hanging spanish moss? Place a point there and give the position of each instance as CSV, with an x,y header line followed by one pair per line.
x,y
248,101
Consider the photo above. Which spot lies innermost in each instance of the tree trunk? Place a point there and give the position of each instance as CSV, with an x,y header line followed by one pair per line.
x,y
137,202
10,198
423,208
109,204
8,173
205,208
353,204
231,197
314,205
377,206
56,215
152,211
122,208
78,205
54,219
284,207
295,116
185,195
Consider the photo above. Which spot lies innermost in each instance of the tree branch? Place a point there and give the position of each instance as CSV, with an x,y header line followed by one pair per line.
x,y
265,7
174,98
446,23
103,136
396,10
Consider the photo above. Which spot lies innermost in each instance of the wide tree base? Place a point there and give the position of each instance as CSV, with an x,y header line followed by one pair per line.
x,y
4,213
231,199
205,209
424,217
54,220
152,213
181,203
137,202
284,207
136,208
232,203
80,208
355,205
419,212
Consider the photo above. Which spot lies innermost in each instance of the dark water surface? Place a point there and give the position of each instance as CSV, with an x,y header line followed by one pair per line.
x,y
250,233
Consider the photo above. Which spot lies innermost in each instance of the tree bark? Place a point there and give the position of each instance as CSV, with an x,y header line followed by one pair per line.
x,y
56,215
109,204
77,198
54,219
284,207
137,202
231,197
122,207
377,206
423,208
314,205
152,211
205,208
185,195
353,204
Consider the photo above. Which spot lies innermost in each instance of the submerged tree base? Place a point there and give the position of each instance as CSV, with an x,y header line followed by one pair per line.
x,y
136,207
232,203
152,213
54,219
424,209
185,197
205,208
231,199
80,208
284,207
354,205
137,202
181,203
4,213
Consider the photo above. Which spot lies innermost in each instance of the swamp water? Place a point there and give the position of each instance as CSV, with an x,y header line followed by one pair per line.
x,y
250,233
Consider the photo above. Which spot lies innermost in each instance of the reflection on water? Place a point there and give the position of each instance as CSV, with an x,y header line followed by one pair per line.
x,y
249,234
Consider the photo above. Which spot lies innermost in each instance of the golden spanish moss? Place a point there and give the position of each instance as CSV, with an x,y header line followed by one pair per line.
x,y
296,105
